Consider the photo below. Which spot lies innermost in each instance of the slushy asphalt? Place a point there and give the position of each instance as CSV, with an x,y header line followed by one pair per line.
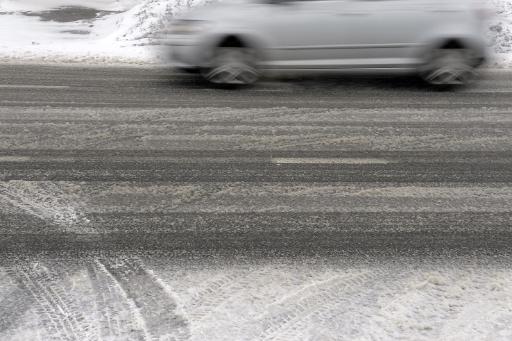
x,y
137,204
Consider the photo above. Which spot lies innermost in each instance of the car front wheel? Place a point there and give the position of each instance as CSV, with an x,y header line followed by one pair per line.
x,y
232,66
449,67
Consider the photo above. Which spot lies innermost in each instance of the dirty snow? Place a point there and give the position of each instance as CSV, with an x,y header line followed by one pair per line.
x,y
40,5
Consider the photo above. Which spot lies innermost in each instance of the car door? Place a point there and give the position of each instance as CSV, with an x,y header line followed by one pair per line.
x,y
302,34
382,33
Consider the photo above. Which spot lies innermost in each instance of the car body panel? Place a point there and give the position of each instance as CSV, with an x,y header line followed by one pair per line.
x,y
331,35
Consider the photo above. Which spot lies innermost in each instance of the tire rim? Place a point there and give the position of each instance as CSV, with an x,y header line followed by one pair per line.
x,y
449,67
233,66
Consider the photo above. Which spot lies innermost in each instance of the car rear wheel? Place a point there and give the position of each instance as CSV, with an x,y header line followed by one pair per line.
x,y
449,67
232,66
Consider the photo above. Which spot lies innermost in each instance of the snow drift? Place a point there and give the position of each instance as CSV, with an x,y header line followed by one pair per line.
x,y
118,31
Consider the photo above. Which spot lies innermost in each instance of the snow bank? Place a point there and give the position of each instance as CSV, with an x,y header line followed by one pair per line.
x,y
122,31
81,42
146,18
500,32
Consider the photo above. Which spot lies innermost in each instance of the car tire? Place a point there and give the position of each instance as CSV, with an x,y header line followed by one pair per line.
x,y
232,66
449,68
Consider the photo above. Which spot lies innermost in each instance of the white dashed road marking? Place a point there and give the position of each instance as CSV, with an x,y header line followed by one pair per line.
x,y
349,161
29,86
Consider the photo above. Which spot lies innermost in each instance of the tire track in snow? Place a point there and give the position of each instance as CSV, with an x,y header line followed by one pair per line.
x,y
115,315
157,311
347,311
293,309
13,308
245,291
61,314
455,305
212,293
48,201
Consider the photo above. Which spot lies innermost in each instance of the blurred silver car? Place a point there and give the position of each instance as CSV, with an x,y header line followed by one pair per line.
x,y
235,42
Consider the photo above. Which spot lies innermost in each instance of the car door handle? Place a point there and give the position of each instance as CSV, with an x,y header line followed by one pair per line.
x,y
352,14
445,10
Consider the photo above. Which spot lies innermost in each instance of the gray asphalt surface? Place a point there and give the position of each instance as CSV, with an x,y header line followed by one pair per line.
x,y
139,206
306,165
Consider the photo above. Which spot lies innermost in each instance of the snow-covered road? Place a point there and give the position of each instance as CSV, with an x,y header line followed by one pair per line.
x,y
138,207
162,296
